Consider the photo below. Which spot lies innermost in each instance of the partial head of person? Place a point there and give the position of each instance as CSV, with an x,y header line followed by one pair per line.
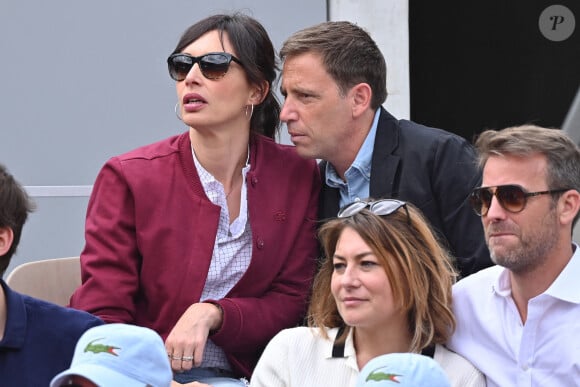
x,y
15,205
224,67
384,267
402,370
529,199
113,355
333,80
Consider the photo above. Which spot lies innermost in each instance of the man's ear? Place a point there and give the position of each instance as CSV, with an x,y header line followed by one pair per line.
x,y
361,95
570,205
6,239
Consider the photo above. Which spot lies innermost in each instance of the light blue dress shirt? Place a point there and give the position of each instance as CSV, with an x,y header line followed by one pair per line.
x,y
358,175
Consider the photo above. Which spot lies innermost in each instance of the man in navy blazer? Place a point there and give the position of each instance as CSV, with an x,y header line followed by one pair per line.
x,y
334,83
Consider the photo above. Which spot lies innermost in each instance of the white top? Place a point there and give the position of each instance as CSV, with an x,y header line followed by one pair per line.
x,y
543,352
300,357
232,252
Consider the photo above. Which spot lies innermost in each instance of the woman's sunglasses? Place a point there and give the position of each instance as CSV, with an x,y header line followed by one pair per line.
x,y
512,198
381,207
213,65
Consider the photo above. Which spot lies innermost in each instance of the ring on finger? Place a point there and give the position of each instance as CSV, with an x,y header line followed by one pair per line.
x,y
175,358
187,358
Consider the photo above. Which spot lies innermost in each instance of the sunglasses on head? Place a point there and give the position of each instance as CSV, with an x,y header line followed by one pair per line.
x,y
512,198
380,207
213,65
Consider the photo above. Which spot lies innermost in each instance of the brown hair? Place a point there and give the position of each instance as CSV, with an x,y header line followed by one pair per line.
x,y
419,269
562,154
349,54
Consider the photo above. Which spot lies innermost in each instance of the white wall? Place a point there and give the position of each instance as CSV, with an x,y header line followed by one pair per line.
x,y
84,80
387,23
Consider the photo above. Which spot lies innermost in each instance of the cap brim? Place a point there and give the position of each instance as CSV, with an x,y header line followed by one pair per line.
x,y
99,375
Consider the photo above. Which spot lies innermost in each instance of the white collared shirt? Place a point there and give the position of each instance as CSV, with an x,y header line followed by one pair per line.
x,y
545,351
232,252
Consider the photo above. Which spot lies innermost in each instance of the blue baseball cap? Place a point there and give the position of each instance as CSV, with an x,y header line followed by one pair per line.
x,y
113,355
402,370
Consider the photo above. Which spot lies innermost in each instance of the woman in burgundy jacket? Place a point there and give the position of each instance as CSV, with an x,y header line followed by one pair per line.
x,y
207,237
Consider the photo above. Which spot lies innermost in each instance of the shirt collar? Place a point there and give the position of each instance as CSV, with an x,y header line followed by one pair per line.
x,y
349,351
564,287
502,285
206,178
362,162
218,197
209,182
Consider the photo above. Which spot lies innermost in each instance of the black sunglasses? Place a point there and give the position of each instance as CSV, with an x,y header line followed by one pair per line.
x,y
512,198
380,207
213,65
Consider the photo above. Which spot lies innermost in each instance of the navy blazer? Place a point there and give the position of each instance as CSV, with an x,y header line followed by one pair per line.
x,y
436,171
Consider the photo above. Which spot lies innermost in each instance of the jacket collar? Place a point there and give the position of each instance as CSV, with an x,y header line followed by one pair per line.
x,y
384,161
384,166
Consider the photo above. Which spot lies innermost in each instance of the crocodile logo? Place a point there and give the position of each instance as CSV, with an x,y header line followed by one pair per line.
x,y
101,348
379,376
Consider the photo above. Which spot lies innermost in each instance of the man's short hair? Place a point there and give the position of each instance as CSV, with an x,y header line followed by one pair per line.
x,y
14,208
562,154
348,53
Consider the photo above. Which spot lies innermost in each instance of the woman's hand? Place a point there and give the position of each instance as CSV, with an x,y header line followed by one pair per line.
x,y
186,341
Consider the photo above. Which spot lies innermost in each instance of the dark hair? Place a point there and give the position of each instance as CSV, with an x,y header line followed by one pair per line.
x,y
253,47
14,208
348,53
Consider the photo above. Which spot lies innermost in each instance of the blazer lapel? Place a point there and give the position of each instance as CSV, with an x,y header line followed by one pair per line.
x,y
385,163
384,166
329,203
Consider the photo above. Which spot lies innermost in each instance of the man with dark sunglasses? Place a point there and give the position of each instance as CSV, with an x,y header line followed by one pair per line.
x,y
334,82
37,338
519,322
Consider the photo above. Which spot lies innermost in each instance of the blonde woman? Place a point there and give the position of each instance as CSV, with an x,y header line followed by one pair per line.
x,y
384,287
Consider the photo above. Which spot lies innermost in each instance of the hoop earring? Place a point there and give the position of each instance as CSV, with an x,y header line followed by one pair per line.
x,y
251,112
176,112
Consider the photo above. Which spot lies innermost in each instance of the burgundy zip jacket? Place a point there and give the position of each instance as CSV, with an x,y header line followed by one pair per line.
x,y
150,232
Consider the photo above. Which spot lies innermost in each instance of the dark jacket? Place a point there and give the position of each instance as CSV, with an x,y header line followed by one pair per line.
x,y
433,169
39,339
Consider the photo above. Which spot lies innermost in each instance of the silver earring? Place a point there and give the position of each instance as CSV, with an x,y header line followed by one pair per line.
x,y
251,111
176,112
